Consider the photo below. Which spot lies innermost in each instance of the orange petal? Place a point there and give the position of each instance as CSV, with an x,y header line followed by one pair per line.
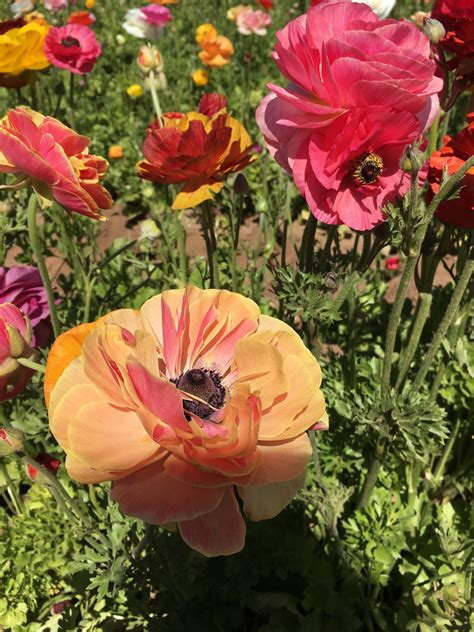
x,y
282,461
263,502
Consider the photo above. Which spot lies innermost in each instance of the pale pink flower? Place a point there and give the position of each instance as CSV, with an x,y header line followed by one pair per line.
x,y
253,22
55,5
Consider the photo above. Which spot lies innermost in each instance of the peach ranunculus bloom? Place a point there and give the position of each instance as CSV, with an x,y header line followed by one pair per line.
x,y
216,50
197,150
42,152
253,22
184,404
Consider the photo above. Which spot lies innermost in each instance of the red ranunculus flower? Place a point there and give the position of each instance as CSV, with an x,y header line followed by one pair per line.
x,y
73,47
457,17
458,211
81,17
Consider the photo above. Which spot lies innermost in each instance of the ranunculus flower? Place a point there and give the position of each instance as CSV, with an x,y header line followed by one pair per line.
x,y
196,150
351,74
183,404
457,17
73,47
392,263
19,7
253,22
21,48
55,5
458,211
15,343
216,50
135,91
233,12
23,286
54,160
150,59
200,77
116,152
147,22
81,17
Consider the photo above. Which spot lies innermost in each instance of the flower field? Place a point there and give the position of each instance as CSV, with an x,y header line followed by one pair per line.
x,y
236,258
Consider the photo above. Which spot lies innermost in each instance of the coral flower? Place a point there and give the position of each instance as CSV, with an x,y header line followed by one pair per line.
x,y
458,211
21,46
182,405
196,150
15,344
81,17
23,286
73,47
43,152
347,68
249,21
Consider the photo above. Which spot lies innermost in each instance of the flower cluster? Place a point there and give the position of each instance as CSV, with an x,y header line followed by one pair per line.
x,y
166,403
197,150
361,90
216,50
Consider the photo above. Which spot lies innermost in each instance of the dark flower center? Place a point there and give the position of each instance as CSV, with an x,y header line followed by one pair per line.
x,y
367,169
69,41
203,384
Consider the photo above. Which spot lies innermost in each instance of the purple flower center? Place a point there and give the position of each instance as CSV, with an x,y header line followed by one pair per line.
x,y
367,169
207,386
70,41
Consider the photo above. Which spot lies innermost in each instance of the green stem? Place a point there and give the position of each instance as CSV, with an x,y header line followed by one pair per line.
x,y
183,261
211,244
372,475
423,312
307,244
12,489
347,288
155,99
448,448
38,254
433,137
446,321
30,364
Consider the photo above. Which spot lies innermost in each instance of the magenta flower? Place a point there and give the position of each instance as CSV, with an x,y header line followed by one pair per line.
x,y
15,344
73,47
22,286
361,90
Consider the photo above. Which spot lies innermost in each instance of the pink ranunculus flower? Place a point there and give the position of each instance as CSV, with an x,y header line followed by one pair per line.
x,y
55,5
15,344
250,21
73,47
22,286
186,404
49,156
346,67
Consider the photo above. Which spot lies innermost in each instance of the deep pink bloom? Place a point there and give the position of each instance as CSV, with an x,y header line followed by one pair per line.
x,y
156,15
15,345
22,286
359,84
392,263
73,47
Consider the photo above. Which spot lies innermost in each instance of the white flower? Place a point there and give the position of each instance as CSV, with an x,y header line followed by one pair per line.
x,y
381,7
147,22
19,7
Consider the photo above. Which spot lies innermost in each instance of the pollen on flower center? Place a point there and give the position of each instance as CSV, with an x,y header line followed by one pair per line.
x,y
367,169
204,384
69,41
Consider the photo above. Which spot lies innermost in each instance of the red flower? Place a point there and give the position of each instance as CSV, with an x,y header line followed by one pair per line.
x,y
81,17
47,461
457,17
265,4
458,211
73,47
392,263
211,103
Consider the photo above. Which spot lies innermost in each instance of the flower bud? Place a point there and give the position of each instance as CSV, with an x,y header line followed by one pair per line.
x,y
49,462
11,440
434,30
15,339
412,160
241,186
149,58
120,39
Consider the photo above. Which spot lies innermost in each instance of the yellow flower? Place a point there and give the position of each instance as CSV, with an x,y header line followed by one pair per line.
x,y
90,4
201,77
135,90
115,152
22,49
205,33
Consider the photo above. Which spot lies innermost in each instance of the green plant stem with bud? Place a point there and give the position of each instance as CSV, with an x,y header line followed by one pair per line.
x,y
37,249
154,98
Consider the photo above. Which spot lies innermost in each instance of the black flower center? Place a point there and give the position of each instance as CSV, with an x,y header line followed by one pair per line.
x,y
204,384
69,41
367,169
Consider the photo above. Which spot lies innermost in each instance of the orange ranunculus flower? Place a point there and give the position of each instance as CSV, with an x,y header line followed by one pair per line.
x,y
42,152
161,2
184,404
205,32
197,150
21,51
217,50
115,152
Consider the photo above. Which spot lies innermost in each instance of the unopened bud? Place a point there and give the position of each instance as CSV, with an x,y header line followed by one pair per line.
x,y
149,58
47,461
412,160
241,186
11,440
434,30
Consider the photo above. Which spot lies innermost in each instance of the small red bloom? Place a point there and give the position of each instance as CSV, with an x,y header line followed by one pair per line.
x,y
81,17
73,47
265,4
392,263
460,210
47,461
